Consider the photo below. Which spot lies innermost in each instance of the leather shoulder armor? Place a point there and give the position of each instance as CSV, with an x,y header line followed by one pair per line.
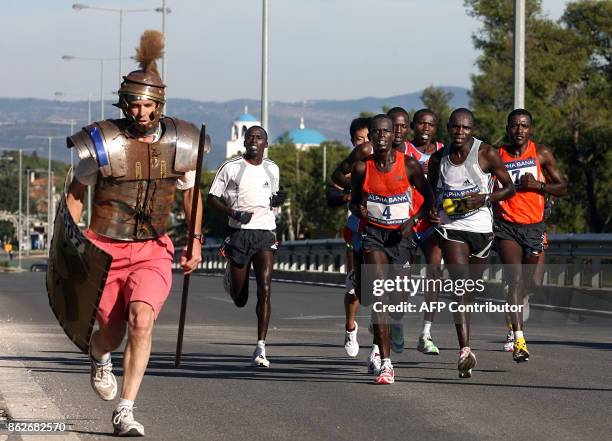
x,y
187,138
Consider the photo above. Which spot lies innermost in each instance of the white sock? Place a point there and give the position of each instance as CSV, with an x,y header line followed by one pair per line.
x,y
386,361
375,349
426,328
261,344
125,403
518,334
105,358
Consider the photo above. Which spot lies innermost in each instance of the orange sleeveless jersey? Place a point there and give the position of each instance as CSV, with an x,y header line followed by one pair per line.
x,y
417,198
389,194
525,207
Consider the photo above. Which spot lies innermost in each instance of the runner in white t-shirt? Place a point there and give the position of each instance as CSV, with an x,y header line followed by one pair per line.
x,y
246,188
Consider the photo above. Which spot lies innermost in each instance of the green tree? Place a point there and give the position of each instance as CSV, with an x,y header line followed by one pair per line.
x,y
568,90
301,174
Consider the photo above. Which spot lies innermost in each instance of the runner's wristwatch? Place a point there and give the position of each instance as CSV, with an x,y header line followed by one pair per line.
x,y
200,238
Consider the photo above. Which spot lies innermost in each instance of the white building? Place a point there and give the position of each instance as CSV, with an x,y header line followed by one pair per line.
x,y
235,146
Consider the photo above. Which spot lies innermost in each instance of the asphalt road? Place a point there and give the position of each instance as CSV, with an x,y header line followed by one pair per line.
x,y
312,391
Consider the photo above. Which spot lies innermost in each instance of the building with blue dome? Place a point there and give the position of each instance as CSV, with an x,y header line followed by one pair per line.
x,y
235,146
304,138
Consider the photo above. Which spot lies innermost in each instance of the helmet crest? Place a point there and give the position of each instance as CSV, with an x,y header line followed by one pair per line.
x,y
145,83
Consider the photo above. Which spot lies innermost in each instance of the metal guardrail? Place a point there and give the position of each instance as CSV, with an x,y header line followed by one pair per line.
x,y
579,259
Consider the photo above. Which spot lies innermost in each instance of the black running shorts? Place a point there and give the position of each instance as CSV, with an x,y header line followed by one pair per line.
x,y
399,250
529,236
478,243
241,244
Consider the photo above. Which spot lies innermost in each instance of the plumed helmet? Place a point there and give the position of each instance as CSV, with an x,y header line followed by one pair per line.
x,y
145,83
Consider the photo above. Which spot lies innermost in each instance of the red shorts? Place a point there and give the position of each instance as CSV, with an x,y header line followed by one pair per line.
x,y
140,272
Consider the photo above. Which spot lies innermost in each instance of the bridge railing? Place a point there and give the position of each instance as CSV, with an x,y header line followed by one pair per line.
x,y
576,260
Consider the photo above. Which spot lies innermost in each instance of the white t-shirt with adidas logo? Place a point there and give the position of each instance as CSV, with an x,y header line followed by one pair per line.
x,y
248,187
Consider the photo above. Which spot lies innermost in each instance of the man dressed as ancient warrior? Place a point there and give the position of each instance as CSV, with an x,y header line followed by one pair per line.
x,y
135,165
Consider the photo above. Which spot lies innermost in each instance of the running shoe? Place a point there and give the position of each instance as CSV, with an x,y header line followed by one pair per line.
x,y
351,345
386,374
521,353
259,357
102,379
349,283
374,361
227,279
509,345
467,361
427,346
397,338
124,423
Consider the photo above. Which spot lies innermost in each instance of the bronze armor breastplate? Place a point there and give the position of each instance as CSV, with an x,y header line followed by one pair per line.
x,y
136,206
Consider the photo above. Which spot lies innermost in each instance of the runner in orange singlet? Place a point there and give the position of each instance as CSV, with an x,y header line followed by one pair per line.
x,y
382,194
519,222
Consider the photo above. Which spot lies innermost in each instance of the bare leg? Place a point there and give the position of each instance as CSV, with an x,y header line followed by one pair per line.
x,y
511,255
239,283
351,301
262,263
138,348
381,327
456,256
433,258
107,339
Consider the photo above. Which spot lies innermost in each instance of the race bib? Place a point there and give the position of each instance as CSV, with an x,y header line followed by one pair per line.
x,y
454,202
516,169
388,210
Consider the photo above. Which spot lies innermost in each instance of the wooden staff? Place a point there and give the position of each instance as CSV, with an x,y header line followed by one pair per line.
x,y
194,213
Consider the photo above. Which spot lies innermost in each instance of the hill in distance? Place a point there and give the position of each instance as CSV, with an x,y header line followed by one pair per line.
x,y
23,117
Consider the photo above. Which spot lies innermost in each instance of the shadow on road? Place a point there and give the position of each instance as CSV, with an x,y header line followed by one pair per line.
x,y
315,369
577,344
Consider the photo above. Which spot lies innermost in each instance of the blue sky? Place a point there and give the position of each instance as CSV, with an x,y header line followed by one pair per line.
x,y
319,49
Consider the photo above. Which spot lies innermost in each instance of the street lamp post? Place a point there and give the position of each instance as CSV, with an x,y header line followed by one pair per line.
x,y
19,229
59,94
264,66
324,162
519,54
27,222
50,189
121,11
101,60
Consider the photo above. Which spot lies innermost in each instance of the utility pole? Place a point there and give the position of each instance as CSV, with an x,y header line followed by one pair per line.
x,y
264,67
19,220
519,54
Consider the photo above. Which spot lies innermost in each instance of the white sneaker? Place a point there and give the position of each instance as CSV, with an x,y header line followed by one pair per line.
x,y
349,283
124,423
509,345
351,345
386,374
374,361
259,357
102,379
